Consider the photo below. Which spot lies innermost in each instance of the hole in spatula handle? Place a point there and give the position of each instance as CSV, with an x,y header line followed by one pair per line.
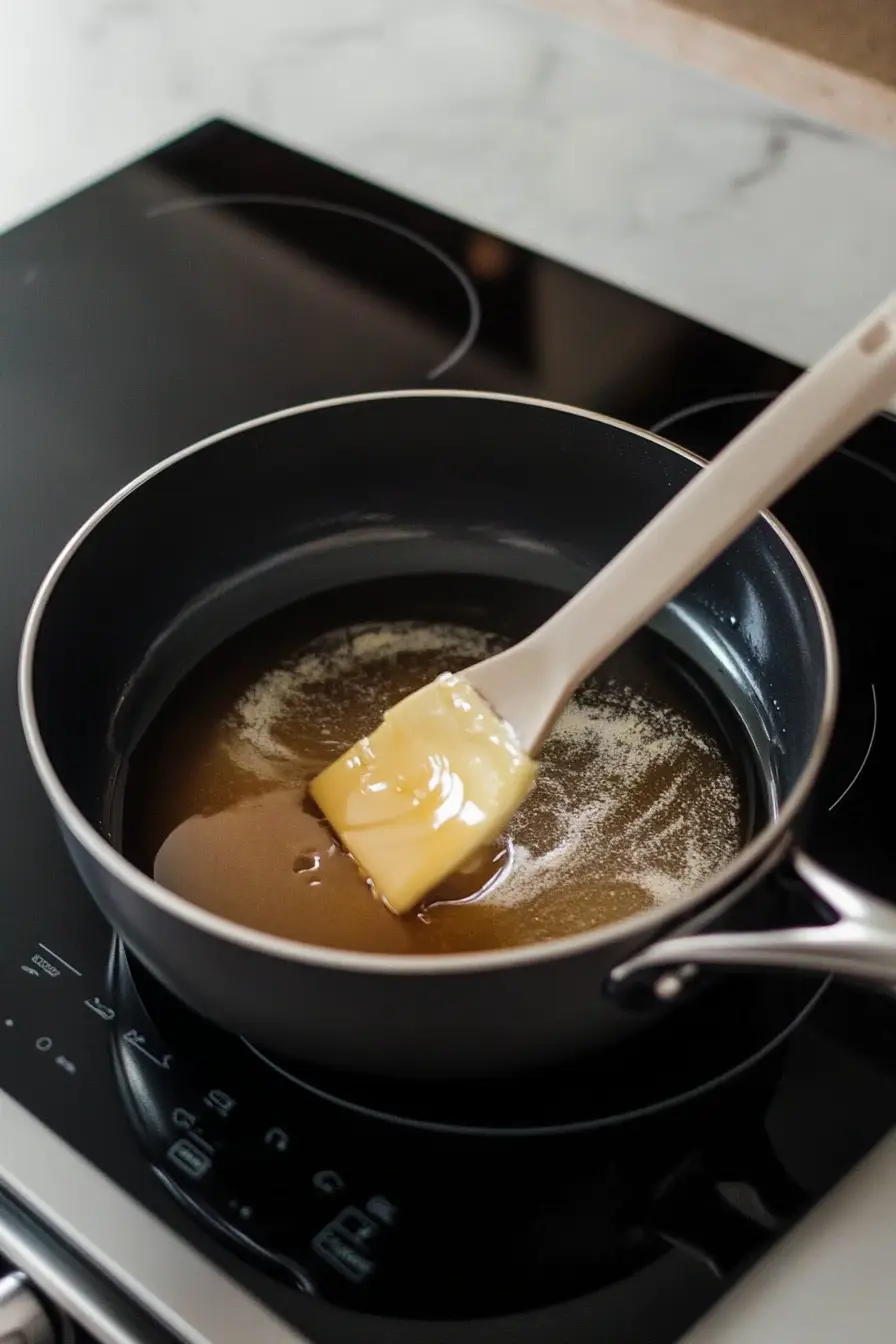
x,y
877,337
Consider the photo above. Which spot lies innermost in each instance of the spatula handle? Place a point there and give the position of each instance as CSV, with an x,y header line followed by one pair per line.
x,y
819,410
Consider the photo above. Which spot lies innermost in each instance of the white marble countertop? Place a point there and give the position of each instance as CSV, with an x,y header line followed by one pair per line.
x,y
701,195
704,196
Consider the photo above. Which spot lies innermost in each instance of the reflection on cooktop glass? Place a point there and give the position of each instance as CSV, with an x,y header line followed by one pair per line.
x,y
225,277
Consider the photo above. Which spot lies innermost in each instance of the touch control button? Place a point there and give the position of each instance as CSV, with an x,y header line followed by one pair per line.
x,y
344,1244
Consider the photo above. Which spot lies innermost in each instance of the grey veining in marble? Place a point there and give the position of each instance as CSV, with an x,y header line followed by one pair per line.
x,y
700,195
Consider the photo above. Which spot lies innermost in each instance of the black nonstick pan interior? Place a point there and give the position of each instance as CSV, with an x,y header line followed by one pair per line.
x,y
224,536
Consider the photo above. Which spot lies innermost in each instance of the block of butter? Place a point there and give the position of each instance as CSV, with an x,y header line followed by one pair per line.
x,y
439,778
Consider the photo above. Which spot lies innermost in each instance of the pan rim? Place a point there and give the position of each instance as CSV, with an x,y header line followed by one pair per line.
x,y
412,964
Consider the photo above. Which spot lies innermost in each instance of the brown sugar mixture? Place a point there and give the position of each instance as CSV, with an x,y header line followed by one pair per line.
x,y
635,804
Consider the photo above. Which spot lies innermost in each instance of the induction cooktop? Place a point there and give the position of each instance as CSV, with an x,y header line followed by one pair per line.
x,y
178,1182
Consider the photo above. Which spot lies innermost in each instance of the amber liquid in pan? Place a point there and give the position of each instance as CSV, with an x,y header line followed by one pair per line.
x,y
638,799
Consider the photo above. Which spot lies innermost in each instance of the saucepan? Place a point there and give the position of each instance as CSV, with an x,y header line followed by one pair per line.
x,y
470,485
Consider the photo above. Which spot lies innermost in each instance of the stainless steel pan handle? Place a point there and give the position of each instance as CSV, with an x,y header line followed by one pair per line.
x,y
860,943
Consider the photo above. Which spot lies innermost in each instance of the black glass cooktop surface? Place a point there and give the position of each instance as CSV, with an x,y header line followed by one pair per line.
x,y
224,277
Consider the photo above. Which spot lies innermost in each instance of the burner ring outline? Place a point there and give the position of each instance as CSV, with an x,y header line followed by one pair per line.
x,y
554,1129
745,398
864,761
711,404
474,320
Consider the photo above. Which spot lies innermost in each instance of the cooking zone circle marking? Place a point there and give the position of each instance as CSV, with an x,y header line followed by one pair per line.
x,y
744,399
868,749
474,317
377,1109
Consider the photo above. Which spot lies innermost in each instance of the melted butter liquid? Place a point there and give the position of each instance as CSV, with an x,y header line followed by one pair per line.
x,y
636,802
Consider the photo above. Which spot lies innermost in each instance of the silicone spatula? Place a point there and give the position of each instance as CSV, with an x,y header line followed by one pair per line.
x,y
451,763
